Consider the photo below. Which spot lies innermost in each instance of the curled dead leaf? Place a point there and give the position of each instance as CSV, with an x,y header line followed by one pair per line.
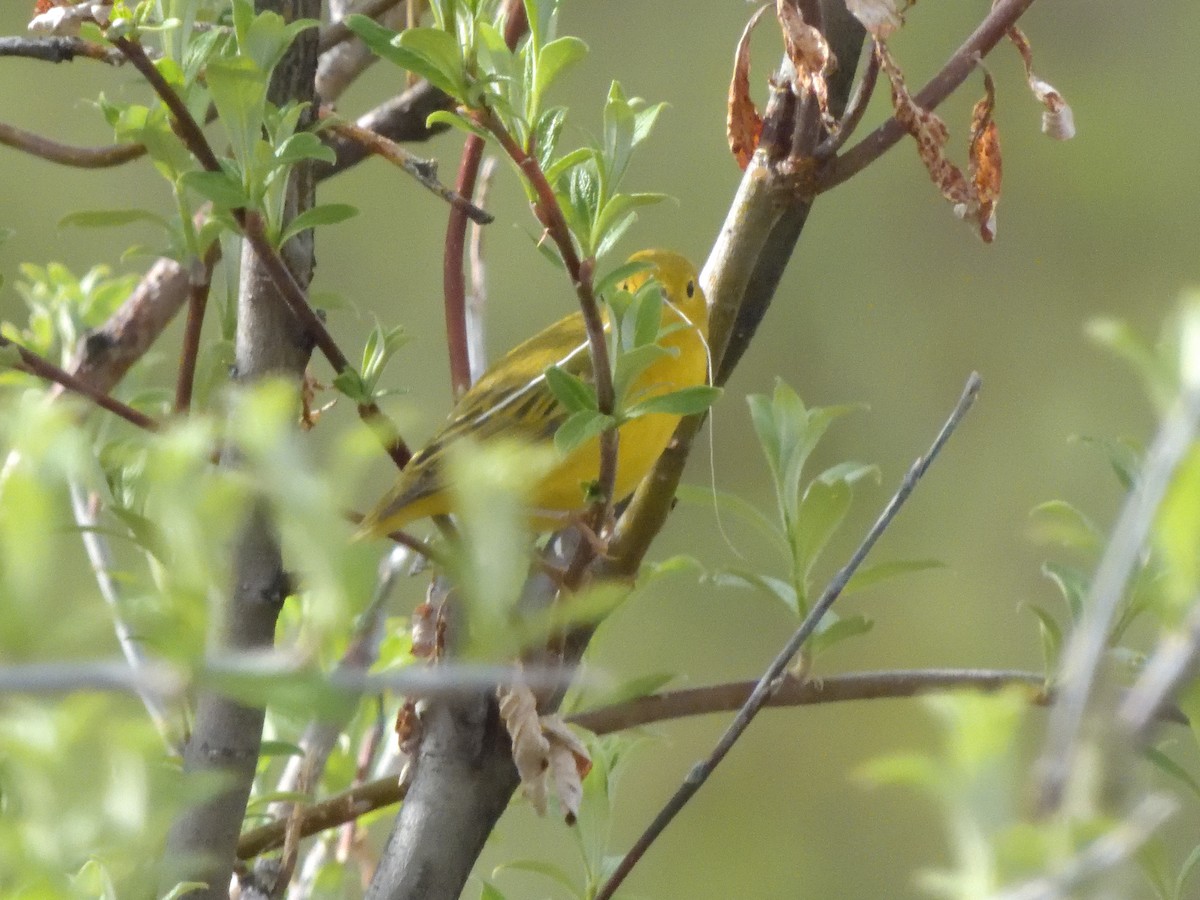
x,y
531,749
743,124
974,198
65,21
546,752
423,627
810,56
984,162
569,765
1058,121
880,17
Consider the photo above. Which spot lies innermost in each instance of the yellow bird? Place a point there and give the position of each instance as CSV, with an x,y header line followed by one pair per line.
x,y
513,400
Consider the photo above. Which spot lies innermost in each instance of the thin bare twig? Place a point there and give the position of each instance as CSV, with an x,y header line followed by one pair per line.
x,y
100,557
580,272
476,303
423,170
1170,666
59,49
855,109
454,290
1084,652
65,154
200,278
770,681
351,804
34,364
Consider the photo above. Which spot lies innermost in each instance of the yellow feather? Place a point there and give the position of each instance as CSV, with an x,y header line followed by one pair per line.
x,y
513,400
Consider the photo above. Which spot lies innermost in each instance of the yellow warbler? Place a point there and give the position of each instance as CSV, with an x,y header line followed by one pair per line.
x,y
513,400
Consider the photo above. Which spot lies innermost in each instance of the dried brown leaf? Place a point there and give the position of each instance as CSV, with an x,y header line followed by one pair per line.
x,y
880,17
743,124
423,627
531,748
810,55
927,129
65,21
985,163
569,765
1058,121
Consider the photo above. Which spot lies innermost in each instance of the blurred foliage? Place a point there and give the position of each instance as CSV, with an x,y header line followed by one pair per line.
x,y
897,314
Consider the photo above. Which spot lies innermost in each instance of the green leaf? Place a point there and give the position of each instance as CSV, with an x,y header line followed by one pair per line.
x,y
490,892
644,120
302,146
580,428
350,383
280,748
1157,372
909,769
831,633
553,60
612,279
568,161
222,189
820,512
768,584
727,502
325,214
632,363
441,51
1185,872
546,132
1165,764
868,576
183,888
619,207
570,390
1058,522
383,42
239,91
1051,635
106,218
538,867
1071,582
618,135
454,120
1123,456
687,401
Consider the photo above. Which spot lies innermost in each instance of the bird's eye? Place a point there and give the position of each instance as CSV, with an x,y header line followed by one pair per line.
x,y
691,288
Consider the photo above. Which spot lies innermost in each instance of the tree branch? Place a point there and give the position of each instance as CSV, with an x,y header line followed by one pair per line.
x,y
358,801
66,155
34,364
59,49
272,340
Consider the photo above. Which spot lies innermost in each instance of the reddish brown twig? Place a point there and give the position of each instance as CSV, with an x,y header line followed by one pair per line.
x,y
200,279
66,155
454,288
43,368
349,805
423,170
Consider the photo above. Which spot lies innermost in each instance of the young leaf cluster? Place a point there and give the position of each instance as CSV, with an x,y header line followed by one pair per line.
x,y
464,54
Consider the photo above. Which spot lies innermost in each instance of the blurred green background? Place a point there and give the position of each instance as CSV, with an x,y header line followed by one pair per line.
x,y
889,301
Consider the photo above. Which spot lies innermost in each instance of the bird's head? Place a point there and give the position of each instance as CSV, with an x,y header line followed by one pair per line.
x,y
678,279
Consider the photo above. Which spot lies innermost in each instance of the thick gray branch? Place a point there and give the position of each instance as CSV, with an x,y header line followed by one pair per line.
x,y
270,343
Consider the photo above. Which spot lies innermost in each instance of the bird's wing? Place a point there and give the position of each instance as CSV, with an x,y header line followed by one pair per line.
x,y
512,399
